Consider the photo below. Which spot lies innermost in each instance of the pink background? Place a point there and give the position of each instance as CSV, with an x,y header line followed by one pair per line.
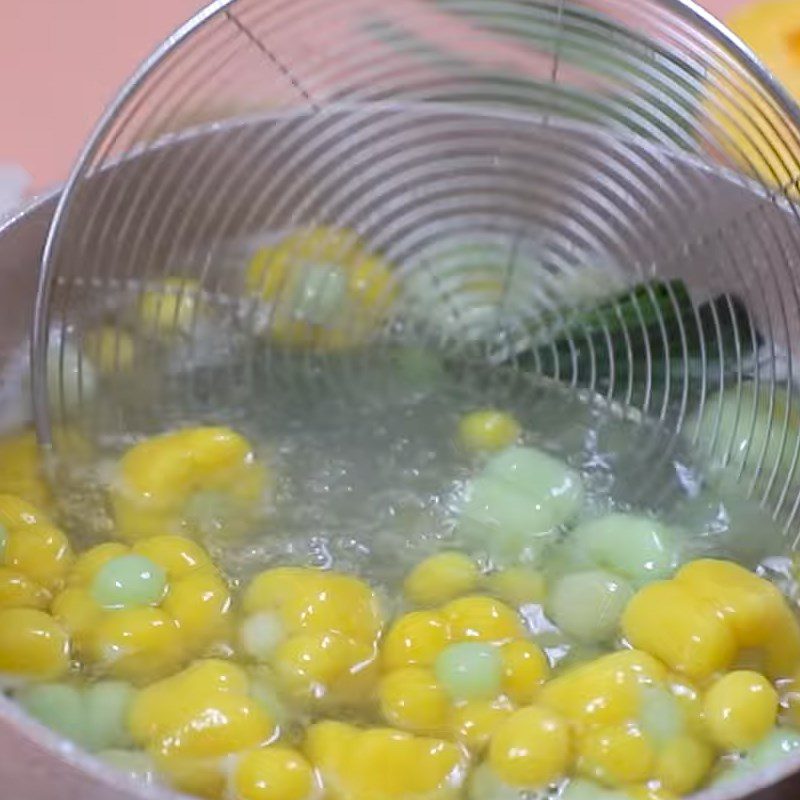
x,y
61,61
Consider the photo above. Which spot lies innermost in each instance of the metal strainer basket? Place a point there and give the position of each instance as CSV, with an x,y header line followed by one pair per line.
x,y
602,192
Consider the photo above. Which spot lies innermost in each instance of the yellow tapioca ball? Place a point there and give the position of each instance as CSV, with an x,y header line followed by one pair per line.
x,y
326,668
16,512
334,602
79,614
482,619
616,755
137,644
740,710
33,645
273,773
21,473
605,691
200,603
192,754
525,669
111,350
517,586
327,744
755,609
41,552
161,706
18,591
440,578
176,554
487,431
170,306
474,722
682,764
667,620
412,699
159,477
415,638
385,763
269,589
531,749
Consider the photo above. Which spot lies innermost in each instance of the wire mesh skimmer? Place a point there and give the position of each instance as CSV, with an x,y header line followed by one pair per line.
x,y
598,191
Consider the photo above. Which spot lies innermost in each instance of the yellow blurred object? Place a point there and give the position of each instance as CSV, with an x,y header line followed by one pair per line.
x,y
487,431
440,578
170,306
617,755
327,290
482,619
682,764
739,710
474,722
605,691
273,773
669,621
111,350
525,669
517,586
123,630
34,555
167,484
415,638
33,645
191,723
21,471
412,699
531,749
759,138
384,764
754,608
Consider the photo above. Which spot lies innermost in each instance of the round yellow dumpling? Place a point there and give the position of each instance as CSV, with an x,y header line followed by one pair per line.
x,y
440,578
35,556
487,431
474,722
616,755
482,619
273,773
170,306
740,710
412,699
33,645
517,586
525,669
682,764
21,472
415,638
531,748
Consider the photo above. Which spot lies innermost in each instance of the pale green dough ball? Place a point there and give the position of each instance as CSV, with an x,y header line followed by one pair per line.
x,y
580,789
320,294
639,548
129,581
106,707
775,747
135,764
58,706
484,785
520,498
588,605
470,671
661,716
